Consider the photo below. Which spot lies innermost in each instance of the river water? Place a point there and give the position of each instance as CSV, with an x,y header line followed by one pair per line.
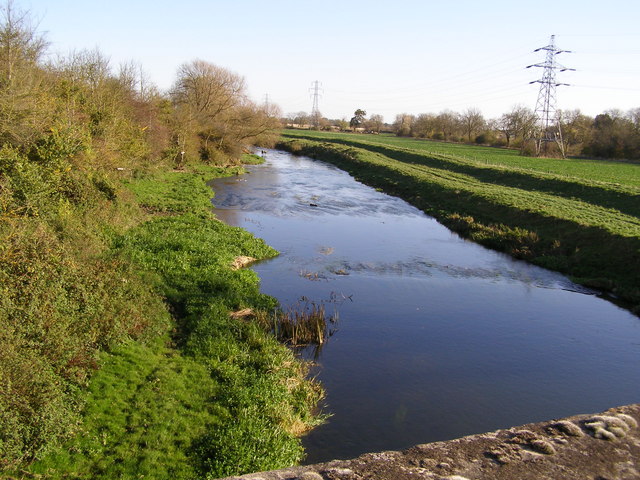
x,y
437,337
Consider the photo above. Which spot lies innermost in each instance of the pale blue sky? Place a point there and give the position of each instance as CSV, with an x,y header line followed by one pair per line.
x,y
384,57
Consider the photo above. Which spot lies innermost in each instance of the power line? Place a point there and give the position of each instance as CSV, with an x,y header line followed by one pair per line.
x,y
467,77
623,89
546,106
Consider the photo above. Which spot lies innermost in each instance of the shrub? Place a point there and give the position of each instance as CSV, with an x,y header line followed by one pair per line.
x,y
486,138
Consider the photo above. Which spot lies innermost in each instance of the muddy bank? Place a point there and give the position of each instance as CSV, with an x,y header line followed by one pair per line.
x,y
604,446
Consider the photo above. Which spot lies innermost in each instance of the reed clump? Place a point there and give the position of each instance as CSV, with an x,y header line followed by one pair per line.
x,y
303,324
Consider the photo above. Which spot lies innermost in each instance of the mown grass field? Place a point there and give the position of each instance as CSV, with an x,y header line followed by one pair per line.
x,y
578,216
209,396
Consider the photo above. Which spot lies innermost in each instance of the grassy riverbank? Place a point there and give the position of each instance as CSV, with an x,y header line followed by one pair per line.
x,y
204,395
118,354
579,217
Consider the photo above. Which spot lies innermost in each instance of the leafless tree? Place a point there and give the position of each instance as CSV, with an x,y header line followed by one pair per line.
x,y
519,122
207,90
423,126
375,122
25,109
403,123
472,122
212,111
20,42
447,123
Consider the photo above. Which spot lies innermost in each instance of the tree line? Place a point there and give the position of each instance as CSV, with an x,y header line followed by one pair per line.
x,y
613,134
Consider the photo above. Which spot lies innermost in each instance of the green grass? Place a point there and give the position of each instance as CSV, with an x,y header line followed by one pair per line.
x,y
178,191
611,171
584,225
215,396
251,159
145,408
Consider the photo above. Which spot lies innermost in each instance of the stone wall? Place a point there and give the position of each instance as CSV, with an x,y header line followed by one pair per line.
x,y
603,446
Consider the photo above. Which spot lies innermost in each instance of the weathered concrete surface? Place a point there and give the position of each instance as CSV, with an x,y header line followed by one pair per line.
x,y
602,446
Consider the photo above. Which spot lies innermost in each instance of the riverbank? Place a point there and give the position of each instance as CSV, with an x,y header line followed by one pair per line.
x,y
580,225
206,394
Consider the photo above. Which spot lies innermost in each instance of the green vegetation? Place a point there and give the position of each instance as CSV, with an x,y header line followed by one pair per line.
x,y
580,217
177,191
122,353
251,159
119,356
213,397
143,408
623,172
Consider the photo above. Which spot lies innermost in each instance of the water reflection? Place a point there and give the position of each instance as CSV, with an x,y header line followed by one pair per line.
x,y
440,337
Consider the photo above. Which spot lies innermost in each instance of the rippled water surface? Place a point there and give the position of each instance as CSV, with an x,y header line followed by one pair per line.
x,y
437,337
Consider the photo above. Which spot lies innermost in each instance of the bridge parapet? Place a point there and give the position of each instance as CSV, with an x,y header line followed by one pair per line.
x,y
604,446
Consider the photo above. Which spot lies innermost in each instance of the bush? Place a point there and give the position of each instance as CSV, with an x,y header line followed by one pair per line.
x,y
486,138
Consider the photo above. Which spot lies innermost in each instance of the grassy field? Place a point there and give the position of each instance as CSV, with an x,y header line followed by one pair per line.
x,y
578,216
210,396
604,171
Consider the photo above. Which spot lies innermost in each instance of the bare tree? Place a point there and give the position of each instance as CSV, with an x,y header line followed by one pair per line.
x,y
447,124
207,90
424,125
403,123
212,112
576,130
634,117
302,119
375,122
472,122
519,122
135,80
204,97
20,42
25,106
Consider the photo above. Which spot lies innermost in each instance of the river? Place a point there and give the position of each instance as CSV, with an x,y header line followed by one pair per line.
x,y
437,337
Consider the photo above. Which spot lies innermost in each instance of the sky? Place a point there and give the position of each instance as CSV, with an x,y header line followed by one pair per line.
x,y
409,56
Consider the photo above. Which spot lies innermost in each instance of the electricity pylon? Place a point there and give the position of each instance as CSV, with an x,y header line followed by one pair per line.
x,y
548,121
267,105
315,111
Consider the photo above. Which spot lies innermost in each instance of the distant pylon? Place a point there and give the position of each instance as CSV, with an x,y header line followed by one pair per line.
x,y
548,124
267,105
315,111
